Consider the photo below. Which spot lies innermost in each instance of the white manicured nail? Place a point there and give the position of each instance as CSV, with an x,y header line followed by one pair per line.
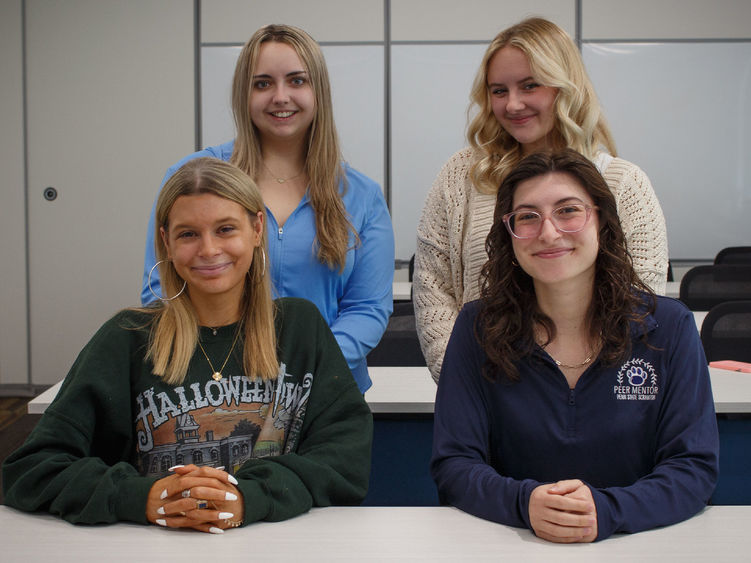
x,y
175,467
214,530
163,495
230,496
160,510
225,516
162,522
220,468
231,479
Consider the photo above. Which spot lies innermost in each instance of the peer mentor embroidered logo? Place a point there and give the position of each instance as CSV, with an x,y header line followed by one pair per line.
x,y
637,381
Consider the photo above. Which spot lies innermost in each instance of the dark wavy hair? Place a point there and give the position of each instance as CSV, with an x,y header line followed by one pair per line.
x,y
506,322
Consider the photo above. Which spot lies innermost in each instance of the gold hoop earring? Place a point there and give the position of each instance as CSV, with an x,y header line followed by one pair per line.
x,y
151,289
514,262
263,265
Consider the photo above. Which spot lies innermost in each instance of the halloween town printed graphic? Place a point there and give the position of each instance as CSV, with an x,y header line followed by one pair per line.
x,y
220,423
636,381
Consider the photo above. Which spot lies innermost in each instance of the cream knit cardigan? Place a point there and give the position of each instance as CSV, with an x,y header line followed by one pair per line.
x,y
451,248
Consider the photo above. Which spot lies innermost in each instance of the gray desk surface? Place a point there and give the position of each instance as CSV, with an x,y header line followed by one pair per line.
x,y
719,533
409,390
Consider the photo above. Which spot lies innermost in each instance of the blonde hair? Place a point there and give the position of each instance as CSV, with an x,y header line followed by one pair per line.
x,y
323,160
174,333
556,62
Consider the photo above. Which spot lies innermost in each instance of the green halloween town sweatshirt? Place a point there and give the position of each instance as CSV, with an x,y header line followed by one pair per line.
x,y
301,440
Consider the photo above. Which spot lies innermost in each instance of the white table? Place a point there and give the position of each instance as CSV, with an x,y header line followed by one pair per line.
x,y
402,290
394,390
673,289
401,390
719,533
699,318
411,390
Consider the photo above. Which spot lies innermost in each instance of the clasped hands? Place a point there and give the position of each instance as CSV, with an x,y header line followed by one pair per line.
x,y
203,498
563,512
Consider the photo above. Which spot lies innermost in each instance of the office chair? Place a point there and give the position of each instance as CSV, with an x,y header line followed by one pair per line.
x,y
726,332
399,345
734,255
703,287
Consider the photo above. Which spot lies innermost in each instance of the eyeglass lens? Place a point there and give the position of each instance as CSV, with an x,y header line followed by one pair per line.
x,y
568,219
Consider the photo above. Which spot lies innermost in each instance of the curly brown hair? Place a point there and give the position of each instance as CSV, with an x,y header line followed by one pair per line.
x,y
506,323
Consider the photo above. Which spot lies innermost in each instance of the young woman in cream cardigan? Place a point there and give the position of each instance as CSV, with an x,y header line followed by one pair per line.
x,y
531,93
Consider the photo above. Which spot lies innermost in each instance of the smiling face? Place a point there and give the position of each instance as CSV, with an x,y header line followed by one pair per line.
x,y
282,101
554,257
523,107
210,241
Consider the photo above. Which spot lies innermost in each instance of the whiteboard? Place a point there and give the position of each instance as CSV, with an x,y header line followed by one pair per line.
x,y
357,91
430,86
682,112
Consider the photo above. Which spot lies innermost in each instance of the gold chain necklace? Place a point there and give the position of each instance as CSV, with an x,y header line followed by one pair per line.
x,y
586,361
581,365
568,366
217,375
282,180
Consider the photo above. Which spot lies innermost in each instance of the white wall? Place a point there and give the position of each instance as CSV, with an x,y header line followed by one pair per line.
x,y
13,325
109,102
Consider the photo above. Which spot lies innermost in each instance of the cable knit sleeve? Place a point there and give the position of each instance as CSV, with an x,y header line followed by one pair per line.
x,y
642,221
437,284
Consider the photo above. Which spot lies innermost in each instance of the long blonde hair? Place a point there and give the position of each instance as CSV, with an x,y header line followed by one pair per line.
x,y
556,62
323,160
174,333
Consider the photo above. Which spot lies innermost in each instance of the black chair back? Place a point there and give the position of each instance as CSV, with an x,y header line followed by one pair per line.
x,y
734,255
399,345
726,332
703,287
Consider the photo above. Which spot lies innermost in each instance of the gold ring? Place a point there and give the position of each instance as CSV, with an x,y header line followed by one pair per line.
x,y
200,503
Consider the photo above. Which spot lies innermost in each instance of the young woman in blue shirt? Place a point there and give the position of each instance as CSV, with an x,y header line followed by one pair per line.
x,y
330,234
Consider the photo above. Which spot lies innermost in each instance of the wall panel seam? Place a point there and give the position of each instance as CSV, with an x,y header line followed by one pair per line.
x,y
197,73
669,40
321,43
26,187
387,102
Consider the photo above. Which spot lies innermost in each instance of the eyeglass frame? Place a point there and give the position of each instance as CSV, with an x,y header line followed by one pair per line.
x,y
587,208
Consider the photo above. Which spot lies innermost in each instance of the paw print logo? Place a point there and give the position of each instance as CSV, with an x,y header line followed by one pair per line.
x,y
636,376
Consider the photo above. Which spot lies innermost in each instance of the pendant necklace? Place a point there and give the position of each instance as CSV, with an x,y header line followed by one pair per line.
x,y
217,375
282,180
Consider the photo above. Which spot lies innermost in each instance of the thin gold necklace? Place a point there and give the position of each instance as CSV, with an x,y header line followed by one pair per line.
x,y
562,365
217,375
586,361
282,180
